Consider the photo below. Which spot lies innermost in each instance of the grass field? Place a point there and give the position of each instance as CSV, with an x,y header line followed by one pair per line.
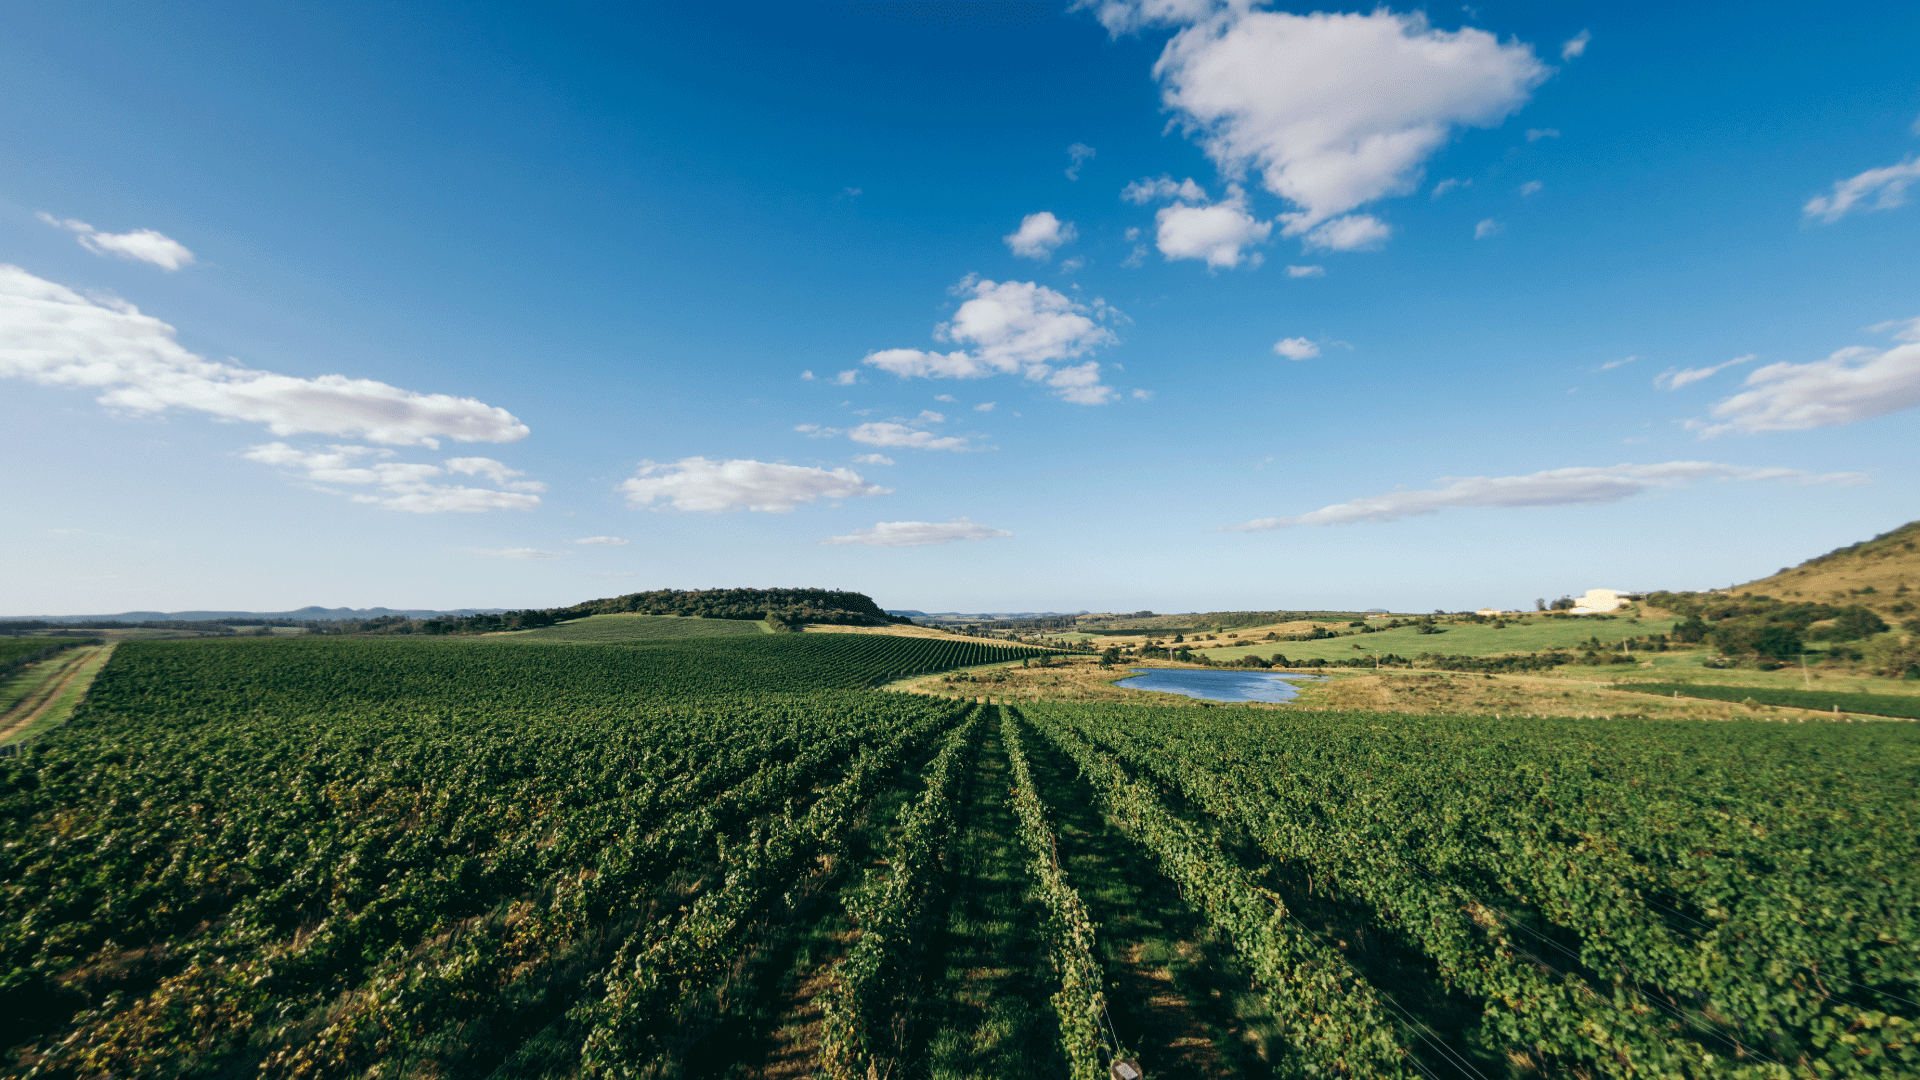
x,y
42,696
616,628
1454,640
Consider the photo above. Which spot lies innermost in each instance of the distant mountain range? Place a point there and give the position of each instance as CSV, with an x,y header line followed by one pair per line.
x,y
304,613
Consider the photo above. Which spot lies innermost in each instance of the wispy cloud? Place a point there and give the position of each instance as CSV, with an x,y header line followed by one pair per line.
x,y
1078,154
605,541
1536,134
900,435
1854,384
52,335
1306,271
1675,378
1611,364
1487,227
917,534
703,485
1581,486
411,487
1886,186
1576,46
140,245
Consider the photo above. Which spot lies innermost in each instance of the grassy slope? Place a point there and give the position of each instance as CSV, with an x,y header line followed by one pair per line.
x,y
614,628
1885,562
1458,640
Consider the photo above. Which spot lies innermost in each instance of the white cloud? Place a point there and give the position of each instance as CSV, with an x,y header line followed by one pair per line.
x,y
1076,263
604,541
846,378
140,245
51,335
1675,378
1296,348
1531,187
1449,184
1354,232
404,486
1611,364
1215,233
1079,154
1536,134
1148,189
1038,235
1486,227
1898,329
917,534
1013,326
1132,235
1854,384
1137,259
1128,16
807,375
1306,271
890,434
985,406
1143,395
873,459
705,485
815,431
1576,46
928,416
945,397
1335,111
1581,486
1888,185
525,553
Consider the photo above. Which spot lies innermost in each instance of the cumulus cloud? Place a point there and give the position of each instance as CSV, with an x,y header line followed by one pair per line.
x,y
1449,184
1218,233
1887,187
846,378
52,335
1853,384
917,534
985,406
1675,378
708,486
1581,486
1335,111
891,434
140,245
1196,228
1296,348
1485,228
1038,235
1575,46
1078,154
404,486
1013,327
605,541
873,459
1306,271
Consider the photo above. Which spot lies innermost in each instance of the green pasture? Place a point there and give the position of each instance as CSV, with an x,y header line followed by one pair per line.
x,y
600,629
1463,639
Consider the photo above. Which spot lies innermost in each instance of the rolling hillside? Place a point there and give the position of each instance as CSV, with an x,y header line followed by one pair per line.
x,y
1882,573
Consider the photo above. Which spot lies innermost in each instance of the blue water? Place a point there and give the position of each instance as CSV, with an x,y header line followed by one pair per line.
x,y
1240,685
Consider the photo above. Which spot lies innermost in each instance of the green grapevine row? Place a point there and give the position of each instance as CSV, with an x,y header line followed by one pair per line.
x,y
1330,1012
890,908
1080,1003
1606,914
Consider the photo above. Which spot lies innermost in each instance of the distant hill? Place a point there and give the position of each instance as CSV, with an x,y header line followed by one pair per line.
x,y
790,607
304,614
1882,574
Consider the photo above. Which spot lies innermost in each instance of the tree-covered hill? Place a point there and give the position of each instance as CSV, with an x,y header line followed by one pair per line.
x,y
791,607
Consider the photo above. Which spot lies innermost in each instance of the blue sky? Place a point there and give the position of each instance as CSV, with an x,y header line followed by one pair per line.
x,y
352,304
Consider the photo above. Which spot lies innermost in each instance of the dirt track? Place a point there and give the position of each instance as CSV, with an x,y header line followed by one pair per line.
x,y
73,665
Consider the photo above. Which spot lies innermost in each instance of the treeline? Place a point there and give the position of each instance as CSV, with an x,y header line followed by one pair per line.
x,y
782,607
18,654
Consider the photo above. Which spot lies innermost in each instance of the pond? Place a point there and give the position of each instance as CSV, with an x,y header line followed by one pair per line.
x,y
1239,685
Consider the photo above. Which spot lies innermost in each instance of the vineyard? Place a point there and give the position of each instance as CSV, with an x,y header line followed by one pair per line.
x,y
726,857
